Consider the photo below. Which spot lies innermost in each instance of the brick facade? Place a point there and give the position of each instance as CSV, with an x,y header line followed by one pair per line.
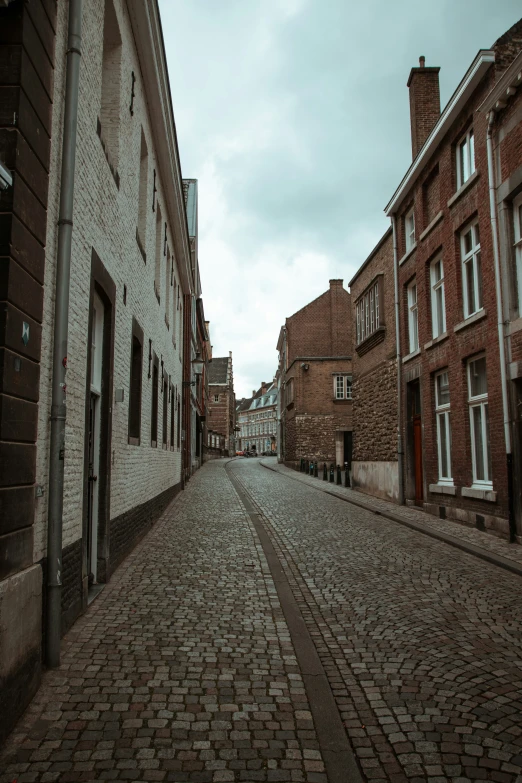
x,y
314,348
470,330
222,402
375,467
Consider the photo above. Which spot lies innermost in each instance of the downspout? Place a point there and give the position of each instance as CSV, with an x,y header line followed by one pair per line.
x,y
500,324
400,452
61,331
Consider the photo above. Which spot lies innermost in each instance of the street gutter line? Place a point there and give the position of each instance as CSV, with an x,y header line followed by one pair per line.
x,y
490,557
339,759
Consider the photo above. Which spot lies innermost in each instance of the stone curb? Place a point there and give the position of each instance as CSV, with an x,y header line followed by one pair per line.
x,y
458,543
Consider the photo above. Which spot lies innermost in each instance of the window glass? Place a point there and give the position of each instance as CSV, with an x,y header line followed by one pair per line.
x,y
477,377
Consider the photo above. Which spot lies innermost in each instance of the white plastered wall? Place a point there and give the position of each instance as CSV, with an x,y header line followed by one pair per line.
x,y
105,218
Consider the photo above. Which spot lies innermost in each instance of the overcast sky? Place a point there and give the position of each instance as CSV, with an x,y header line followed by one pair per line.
x,y
294,117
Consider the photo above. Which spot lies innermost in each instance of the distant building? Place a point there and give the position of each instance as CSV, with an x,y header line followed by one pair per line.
x,y
315,376
222,404
257,420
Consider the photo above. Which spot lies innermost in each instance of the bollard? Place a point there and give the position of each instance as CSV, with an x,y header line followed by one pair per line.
x,y
332,473
346,475
338,474
316,469
325,472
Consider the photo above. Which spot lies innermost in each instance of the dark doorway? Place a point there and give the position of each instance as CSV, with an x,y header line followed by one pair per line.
x,y
348,448
415,439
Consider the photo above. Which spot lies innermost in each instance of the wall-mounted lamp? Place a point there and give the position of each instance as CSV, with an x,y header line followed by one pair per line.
x,y
305,366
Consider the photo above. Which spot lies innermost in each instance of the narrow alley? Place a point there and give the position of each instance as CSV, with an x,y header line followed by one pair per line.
x,y
267,631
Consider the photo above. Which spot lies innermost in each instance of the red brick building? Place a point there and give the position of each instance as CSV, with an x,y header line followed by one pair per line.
x,y
315,370
222,404
456,458
375,465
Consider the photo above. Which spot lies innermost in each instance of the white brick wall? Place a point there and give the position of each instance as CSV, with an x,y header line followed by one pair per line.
x,y
105,219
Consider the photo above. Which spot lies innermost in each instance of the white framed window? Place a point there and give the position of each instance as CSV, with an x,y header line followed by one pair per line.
x,y
479,423
465,158
442,412
367,312
471,269
413,316
409,229
438,305
216,397
343,387
517,233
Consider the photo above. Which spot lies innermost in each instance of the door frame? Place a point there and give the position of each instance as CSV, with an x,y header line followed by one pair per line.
x,y
104,286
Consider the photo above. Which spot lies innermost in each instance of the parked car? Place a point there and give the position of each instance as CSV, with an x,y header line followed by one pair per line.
x,y
240,453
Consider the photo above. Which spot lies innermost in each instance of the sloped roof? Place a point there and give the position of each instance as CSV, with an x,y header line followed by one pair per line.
x,y
218,370
243,404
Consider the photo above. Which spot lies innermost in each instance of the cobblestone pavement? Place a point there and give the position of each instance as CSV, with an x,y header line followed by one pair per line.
x,y
469,535
421,642
181,670
184,668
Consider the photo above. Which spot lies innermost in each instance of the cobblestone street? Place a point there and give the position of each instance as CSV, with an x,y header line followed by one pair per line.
x,y
259,626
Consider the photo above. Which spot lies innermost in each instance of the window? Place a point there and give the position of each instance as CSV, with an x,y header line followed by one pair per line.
x,y
111,77
216,397
159,239
465,158
442,412
413,317
172,415
409,229
343,387
154,416
135,388
142,196
438,309
167,289
368,311
178,423
289,392
479,422
471,269
517,220
165,410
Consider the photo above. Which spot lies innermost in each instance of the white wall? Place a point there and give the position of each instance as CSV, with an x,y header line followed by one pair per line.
x,y
105,219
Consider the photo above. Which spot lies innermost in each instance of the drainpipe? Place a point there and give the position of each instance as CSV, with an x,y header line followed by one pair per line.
x,y
400,451
61,330
500,324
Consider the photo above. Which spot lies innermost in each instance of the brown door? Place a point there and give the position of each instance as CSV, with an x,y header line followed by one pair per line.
x,y
417,458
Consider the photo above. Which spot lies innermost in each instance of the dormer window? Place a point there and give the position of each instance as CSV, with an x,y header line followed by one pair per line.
x,y
465,158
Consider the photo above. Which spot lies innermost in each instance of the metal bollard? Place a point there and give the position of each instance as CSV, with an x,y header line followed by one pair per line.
x,y
325,472
339,474
346,475
316,469
332,473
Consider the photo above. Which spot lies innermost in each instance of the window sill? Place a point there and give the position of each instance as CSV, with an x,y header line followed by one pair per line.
x,y
411,355
442,489
463,188
154,444
133,441
343,400
371,341
429,228
436,340
114,171
407,254
479,494
471,319
164,447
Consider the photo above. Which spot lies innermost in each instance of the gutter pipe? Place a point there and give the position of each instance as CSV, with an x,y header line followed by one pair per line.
x,y
61,332
400,451
500,324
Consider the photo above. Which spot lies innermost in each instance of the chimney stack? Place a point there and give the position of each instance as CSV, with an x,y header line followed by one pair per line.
x,y
423,84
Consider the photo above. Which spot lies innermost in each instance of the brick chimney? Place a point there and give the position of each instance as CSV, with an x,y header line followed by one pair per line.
x,y
423,84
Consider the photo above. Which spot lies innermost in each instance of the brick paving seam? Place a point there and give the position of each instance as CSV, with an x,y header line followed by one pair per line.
x,y
340,760
426,527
